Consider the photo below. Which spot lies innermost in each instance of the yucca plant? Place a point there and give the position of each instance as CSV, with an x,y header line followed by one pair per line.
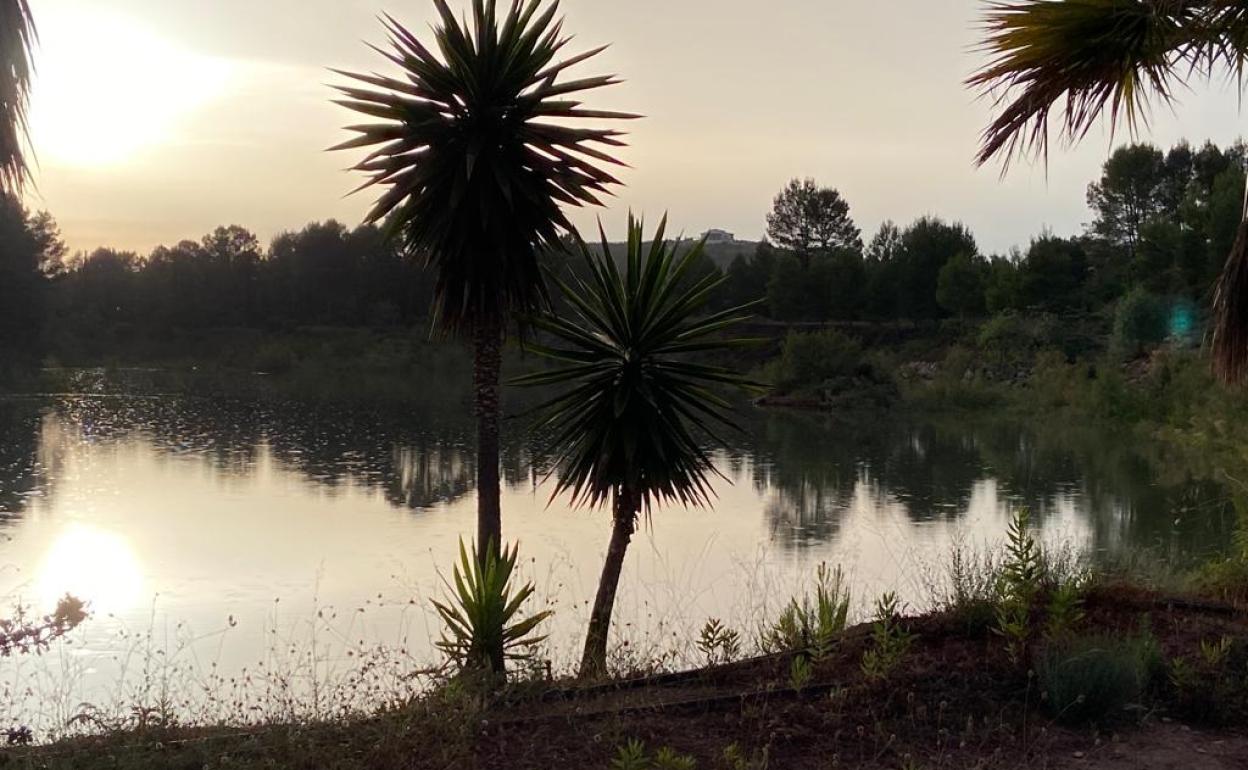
x,y
483,623
17,38
477,149
1083,58
633,423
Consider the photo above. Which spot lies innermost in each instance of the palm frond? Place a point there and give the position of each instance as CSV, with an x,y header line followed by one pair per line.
x,y
635,415
1082,58
473,148
17,40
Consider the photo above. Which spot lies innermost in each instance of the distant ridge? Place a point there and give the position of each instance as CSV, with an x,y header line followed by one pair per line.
x,y
721,252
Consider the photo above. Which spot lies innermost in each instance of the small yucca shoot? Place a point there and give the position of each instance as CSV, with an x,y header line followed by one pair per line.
x,y
482,613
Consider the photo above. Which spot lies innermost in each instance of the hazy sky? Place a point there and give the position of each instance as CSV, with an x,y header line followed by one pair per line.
x,y
156,120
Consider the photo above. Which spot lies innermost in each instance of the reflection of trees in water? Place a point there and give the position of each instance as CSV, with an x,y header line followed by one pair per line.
x,y
1130,493
1136,493
415,464
811,468
814,467
20,475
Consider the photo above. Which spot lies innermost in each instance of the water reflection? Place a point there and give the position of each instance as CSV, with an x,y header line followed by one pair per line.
x,y
94,565
809,471
816,470
19,460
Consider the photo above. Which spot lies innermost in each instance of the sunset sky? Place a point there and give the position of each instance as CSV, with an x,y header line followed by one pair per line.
x,y
156,120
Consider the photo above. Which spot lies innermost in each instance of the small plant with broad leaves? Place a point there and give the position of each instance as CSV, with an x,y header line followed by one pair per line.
x,y
811,625
890,639
718,643
483,612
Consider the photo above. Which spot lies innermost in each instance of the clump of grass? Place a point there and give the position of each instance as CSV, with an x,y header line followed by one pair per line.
x,y
1093,678
974,590
810,624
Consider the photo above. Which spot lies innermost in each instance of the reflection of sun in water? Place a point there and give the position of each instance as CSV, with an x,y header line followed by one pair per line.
x,y
106,87
94,565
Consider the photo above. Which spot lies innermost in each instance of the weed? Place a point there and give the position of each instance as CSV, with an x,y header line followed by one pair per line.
x,y
666,758
718,644
811,625
974,581
890,640
800,672
631,756
736,759
1021,572
1210,685
1065,609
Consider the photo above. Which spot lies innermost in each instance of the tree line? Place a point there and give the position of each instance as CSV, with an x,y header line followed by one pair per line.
x,y
1162,223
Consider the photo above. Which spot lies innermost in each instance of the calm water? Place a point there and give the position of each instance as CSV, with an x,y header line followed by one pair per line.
x,y
219,530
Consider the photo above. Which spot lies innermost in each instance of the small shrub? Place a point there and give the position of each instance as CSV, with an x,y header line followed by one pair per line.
x,y
810,360
1021,575
800,672
1212,685
1065,609
974,590
890,640
718,644
1091,679
483,612
631,756
811,625
736,759
666,758
1141,321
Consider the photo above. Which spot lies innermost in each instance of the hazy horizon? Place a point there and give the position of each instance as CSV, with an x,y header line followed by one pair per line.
x,y
155,122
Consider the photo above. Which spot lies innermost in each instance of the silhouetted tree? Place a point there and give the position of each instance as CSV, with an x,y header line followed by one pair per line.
x,y
806,219
925,248
476,158
30,248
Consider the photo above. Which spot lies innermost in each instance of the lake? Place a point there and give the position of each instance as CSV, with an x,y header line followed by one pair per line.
x,y
223,541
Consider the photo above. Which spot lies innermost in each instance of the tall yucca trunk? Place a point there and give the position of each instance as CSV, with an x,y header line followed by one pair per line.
x,y
487,364
1230,309
624,515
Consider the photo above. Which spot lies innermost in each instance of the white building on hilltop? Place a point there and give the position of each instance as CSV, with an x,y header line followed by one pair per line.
x,y
719,236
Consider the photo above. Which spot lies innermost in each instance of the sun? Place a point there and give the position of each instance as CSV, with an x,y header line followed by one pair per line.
x,y
108,88
94,565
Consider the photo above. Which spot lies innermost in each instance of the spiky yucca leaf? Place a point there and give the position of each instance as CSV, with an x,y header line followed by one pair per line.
x,y
476,145
17,38
1082,57
636,412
